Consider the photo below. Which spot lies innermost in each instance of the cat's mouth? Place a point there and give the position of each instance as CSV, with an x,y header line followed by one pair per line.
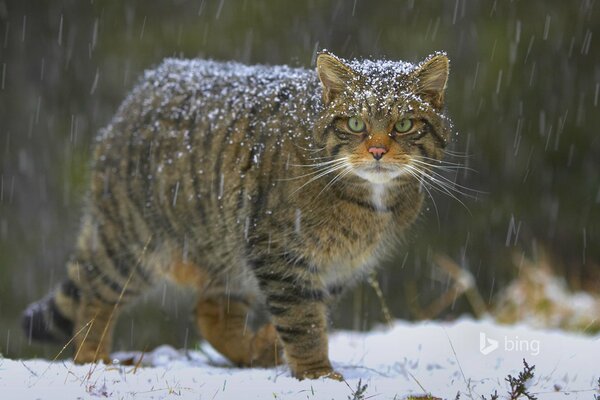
x,y
379,168
378,172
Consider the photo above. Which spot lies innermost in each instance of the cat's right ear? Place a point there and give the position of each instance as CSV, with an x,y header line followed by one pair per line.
x,y
335,76
432,77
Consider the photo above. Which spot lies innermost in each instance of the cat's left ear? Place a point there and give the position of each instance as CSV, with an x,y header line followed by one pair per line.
x,y
432,76
335,76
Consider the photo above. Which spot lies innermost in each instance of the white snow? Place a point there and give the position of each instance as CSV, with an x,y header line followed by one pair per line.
x,y
410,358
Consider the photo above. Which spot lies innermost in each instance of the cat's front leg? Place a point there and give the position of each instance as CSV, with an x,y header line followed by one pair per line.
x,y
299,312
302,329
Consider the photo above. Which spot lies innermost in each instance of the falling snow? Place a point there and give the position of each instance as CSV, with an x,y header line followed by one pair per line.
x,y
524,92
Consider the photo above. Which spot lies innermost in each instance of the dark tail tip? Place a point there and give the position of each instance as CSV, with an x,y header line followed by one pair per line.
x,y
42,321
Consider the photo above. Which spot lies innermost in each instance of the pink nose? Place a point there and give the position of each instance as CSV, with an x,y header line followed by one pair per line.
x,y
377,151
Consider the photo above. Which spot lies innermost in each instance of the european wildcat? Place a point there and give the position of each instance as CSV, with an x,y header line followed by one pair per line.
x,y
257,185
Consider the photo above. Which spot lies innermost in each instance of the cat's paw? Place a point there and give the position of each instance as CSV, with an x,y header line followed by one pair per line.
x,y
321,373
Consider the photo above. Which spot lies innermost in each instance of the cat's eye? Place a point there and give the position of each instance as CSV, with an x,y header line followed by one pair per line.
x,y
356,124
404,125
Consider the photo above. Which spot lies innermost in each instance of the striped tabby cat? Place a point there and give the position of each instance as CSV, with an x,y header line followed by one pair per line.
x,y
260,186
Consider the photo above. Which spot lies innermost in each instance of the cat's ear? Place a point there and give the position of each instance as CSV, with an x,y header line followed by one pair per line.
x,y
432,76
335,76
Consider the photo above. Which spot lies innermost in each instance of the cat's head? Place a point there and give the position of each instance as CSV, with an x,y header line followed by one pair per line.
x,y
382,119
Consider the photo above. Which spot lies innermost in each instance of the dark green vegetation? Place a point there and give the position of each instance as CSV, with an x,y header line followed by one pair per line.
x,y
523,94
518,385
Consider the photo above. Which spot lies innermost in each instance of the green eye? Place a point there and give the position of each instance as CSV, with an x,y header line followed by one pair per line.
x,y
404,125
356,124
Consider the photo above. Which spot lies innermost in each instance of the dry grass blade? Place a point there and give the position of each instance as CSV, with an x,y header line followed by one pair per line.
x,y
421,397
387,315
139,362
63,349
112,313
465,281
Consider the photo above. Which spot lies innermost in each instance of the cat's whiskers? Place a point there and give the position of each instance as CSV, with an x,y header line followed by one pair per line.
x,y
336,178
322,172
309,149
440,168
449,187
320,164
435,163
449,181
320,168
457,154
443,186
319,158
461,189
424,186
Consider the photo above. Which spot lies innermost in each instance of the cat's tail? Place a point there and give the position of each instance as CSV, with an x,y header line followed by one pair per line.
x,y
51,319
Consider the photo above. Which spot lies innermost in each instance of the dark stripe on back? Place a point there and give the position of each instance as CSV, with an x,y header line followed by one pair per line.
x,y
127,178
122,261
199,199
259,202
246,167
221,154
155,215
134,196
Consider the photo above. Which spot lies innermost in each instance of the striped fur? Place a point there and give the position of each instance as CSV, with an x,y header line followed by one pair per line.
x,y
210,175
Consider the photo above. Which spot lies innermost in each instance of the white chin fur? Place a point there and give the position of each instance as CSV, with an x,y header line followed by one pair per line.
x,y
379,177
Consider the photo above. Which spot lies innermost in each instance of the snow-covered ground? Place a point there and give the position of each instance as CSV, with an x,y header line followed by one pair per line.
x,y
408,359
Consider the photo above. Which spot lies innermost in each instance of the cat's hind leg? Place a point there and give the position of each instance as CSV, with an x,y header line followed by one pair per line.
x,y
223,319
223,322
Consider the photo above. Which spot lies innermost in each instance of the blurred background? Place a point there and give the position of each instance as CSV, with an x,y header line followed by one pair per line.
x,y
523,94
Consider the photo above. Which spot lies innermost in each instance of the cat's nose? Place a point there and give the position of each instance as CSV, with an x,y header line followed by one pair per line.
x,y
377,151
